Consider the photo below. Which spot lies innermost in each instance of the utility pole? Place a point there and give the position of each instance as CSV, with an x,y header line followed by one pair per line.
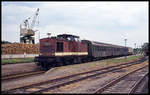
x,y
138,49
141,48
135,49
125,48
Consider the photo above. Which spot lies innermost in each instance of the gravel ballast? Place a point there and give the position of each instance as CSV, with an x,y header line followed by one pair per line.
x,y
10,69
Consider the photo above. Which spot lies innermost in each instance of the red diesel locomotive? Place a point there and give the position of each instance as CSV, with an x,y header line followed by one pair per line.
x,y
61,50
69,49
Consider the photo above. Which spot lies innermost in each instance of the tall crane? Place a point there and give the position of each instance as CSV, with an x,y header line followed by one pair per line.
x,y
26,30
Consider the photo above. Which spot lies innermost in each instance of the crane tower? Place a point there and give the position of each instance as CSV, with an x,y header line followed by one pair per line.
x,y
26,30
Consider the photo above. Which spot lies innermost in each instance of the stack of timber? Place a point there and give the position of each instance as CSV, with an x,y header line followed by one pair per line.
x,y
19,48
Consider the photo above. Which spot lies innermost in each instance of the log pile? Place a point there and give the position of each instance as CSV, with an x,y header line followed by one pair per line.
x,y
19,48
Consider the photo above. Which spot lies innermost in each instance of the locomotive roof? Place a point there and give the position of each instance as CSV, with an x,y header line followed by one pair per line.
x,y
67,35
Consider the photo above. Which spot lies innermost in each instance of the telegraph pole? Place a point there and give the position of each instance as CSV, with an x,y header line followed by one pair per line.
x,y
125,48
135,48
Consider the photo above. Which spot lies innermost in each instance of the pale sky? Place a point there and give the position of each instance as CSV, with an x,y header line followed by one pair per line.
x,y
108,22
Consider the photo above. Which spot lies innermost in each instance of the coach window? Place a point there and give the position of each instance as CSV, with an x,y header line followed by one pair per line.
x,y
59,47
100,48
104,48
96,48
93,48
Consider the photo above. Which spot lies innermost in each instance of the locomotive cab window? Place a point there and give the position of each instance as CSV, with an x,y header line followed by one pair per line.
x,y
59,47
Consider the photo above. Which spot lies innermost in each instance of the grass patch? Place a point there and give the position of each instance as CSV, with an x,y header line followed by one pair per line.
x,y
97,63
83,67
129,58
26,60
16,60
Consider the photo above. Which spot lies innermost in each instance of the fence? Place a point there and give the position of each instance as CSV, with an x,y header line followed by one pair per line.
x,y
18,55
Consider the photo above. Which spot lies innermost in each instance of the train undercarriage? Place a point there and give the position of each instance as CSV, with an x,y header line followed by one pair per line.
x,y
47,62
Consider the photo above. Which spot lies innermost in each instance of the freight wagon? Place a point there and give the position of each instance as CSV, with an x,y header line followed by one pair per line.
x,y
67,49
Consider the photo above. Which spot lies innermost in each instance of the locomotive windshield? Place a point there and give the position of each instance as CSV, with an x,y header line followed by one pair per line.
x,y
69,37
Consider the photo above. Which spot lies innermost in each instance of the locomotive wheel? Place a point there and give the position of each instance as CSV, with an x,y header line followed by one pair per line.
x,y
79,60
75,61
84,61
59,64
67,63
44,66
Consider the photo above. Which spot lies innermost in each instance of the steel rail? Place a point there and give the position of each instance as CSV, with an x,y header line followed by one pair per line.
x,y
10,77
100,90
133,89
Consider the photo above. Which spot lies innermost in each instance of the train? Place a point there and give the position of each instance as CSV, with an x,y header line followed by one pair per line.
x,y
146,50
66,49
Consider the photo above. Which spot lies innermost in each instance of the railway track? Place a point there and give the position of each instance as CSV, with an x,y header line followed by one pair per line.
x,y
55,83
15,76
51,84
134,89
127,83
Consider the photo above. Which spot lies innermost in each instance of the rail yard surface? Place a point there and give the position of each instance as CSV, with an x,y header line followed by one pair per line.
x,y
10,69
79,82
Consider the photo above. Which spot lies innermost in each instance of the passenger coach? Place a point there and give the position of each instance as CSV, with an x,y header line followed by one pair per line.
x,y
98,50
